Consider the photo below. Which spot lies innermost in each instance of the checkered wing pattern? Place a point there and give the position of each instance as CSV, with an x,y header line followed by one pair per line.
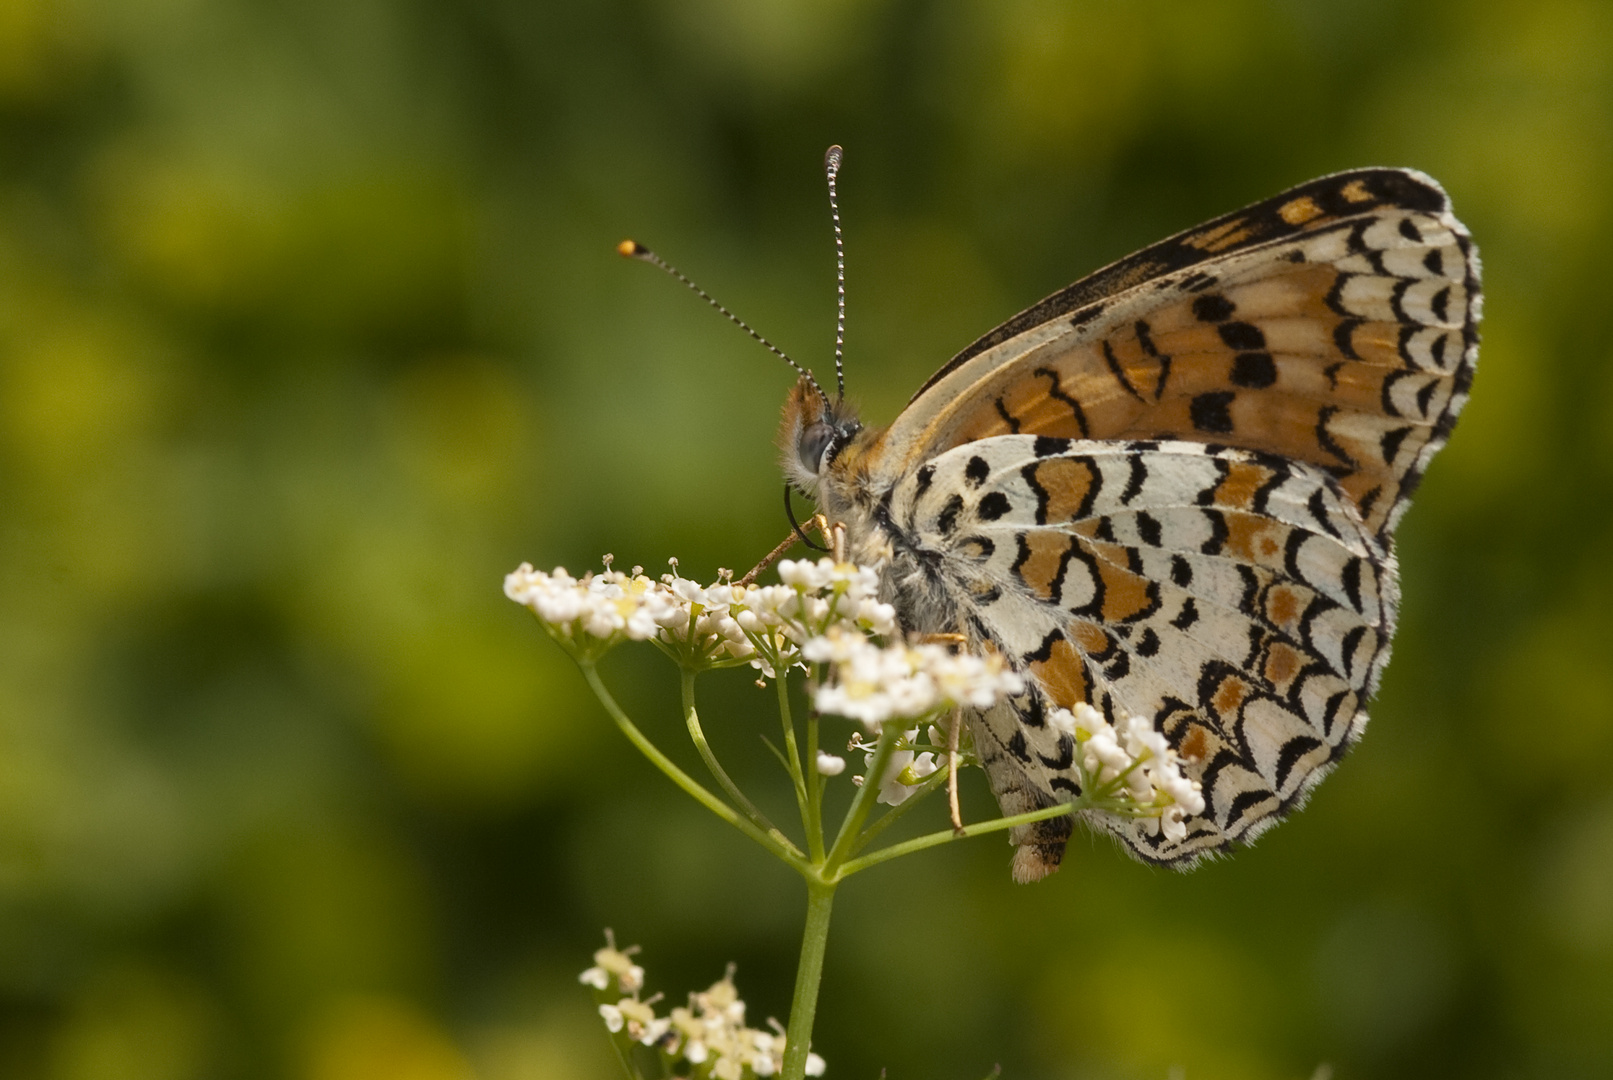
x,y
1170,490
1235,597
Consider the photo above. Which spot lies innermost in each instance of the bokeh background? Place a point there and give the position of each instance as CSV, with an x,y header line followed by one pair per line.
x,y
311,328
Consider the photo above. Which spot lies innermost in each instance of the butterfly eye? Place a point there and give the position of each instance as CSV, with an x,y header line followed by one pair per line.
x,y
815,442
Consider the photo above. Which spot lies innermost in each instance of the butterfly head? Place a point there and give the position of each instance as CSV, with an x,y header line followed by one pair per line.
x,y
812,433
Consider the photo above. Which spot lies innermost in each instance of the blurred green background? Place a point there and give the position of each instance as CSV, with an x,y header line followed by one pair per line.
x,y
310,329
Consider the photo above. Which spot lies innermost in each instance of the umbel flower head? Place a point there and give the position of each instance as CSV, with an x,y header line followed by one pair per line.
x,y
1130,769
716,625
903,683
709,1033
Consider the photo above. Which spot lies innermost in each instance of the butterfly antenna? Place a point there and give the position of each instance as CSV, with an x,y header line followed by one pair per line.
x,y
831,169
632,249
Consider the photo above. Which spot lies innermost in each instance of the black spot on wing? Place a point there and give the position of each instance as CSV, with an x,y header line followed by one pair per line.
x,y
1255,370
1148,643
1218,532
1187,616
1148,528
1181,572
1134,482
994,506
1017,747
1242,335
1390,443
976,471
922,480
1213,307
1209,412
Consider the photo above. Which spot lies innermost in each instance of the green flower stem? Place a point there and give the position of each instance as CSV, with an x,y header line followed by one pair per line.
x,y
808,791
862,804
779,845
815,785
624,1054
895,813
946,836
792,754
691,718
804,1004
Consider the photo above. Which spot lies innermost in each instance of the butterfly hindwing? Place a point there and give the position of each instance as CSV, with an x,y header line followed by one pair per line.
x,y
1234,598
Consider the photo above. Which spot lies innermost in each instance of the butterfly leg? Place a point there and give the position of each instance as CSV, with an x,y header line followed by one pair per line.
x,y
833,535
769,559
954,726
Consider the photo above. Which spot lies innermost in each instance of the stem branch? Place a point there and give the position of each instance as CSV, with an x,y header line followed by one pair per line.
x,y
945,836
779,845
697,735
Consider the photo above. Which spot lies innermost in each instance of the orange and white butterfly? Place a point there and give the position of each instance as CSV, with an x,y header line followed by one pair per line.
x,y
1170,490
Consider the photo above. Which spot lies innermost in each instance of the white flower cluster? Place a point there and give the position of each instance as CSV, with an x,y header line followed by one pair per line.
x,y
1131,768
706,625
710,1033
904,769
590,615
875,684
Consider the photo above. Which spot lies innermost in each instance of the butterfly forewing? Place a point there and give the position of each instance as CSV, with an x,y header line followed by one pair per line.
x,y
1343,339
1170,491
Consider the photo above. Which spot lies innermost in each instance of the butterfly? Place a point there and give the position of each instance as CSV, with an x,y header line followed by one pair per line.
x,y
1170,490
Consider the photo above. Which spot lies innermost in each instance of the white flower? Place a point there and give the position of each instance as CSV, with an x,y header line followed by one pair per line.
x,y
613,963
903,682
589,615
830,765
709,1034
715,625
904,771
1132,771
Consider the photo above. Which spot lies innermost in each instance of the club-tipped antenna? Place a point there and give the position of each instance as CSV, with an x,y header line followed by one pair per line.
x,y
831,169
632,249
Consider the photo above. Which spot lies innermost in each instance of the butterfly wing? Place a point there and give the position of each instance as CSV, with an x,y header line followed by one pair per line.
x,y
1235,598
1251,404
1334,324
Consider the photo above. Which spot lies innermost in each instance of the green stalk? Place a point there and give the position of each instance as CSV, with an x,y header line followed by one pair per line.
x,y
895,813
945,836
807,789
863,803
804,1004
691,719
779,845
